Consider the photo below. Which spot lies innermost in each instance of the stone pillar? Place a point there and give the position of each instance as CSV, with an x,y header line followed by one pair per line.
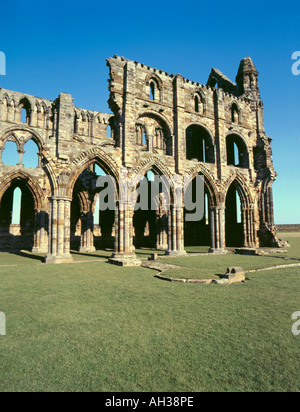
x,y
246,227
21,153
250,236
124,254
218,240
162,230
40,238
59,230
87,233
176,232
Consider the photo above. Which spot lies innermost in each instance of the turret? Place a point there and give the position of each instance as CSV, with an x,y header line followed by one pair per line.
x,y
247,78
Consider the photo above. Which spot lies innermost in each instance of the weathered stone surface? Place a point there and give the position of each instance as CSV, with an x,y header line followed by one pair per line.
x,y
235,275
162,123
246,251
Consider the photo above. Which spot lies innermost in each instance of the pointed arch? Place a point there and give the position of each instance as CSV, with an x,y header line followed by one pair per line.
x,y
154,86
31,183
25,105
209,181
241,185
236,142
32,135
152,164
200,143
88,158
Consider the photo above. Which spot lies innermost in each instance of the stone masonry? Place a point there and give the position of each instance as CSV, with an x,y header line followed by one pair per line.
x,y
160,123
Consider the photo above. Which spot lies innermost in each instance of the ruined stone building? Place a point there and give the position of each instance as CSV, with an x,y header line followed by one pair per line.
x,y
160,123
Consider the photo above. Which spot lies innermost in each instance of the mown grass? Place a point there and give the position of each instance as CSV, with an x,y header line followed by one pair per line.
x,y
96,327
209,267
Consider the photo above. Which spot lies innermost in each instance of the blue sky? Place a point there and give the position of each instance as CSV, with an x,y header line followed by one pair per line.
x,y
56,46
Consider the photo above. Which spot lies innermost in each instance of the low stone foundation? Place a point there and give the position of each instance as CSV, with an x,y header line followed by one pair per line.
x,y
125,262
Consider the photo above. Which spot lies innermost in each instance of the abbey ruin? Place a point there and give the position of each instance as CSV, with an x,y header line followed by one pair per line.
x,y
160,123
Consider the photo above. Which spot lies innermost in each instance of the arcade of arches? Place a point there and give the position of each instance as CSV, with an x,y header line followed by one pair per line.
x,y
52,154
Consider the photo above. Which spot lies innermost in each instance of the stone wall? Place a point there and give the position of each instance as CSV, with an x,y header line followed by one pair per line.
x,y
156,119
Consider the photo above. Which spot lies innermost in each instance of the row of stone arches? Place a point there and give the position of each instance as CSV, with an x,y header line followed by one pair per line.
x,y
36,114
200,147
126,228
15,154
153,134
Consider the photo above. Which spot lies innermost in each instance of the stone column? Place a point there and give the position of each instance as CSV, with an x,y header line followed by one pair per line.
x,y
162,230
251,237
59,230
124,254
87,233
21,153
176,232
246,227
40,238
218,241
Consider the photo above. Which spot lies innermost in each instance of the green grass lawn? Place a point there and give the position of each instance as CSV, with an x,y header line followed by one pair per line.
x,y
96,327
209,267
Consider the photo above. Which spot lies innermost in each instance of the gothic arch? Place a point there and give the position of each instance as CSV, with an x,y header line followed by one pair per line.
x,y
242,188
31,183
234,131
34,135
156,78
197,123
10,137
209,181
88,158
158,116
84,201
199,143
151,164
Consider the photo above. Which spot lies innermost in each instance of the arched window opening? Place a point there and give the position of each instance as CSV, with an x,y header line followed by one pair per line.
x,y
197,104
24,118
31,155
144,141
92,224
17,218
237,152
108,132
10,156
199,145
236,155
235,115
25,111
152,90
75,124
206,209
238,208
150,220
160,140
234,219
98,170
16,210
141,137
198,232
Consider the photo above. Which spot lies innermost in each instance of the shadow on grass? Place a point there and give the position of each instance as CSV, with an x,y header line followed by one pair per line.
x,y
101,256
28,255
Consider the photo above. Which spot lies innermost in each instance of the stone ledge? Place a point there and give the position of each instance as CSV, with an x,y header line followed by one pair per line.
x,y
125,262
59,259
